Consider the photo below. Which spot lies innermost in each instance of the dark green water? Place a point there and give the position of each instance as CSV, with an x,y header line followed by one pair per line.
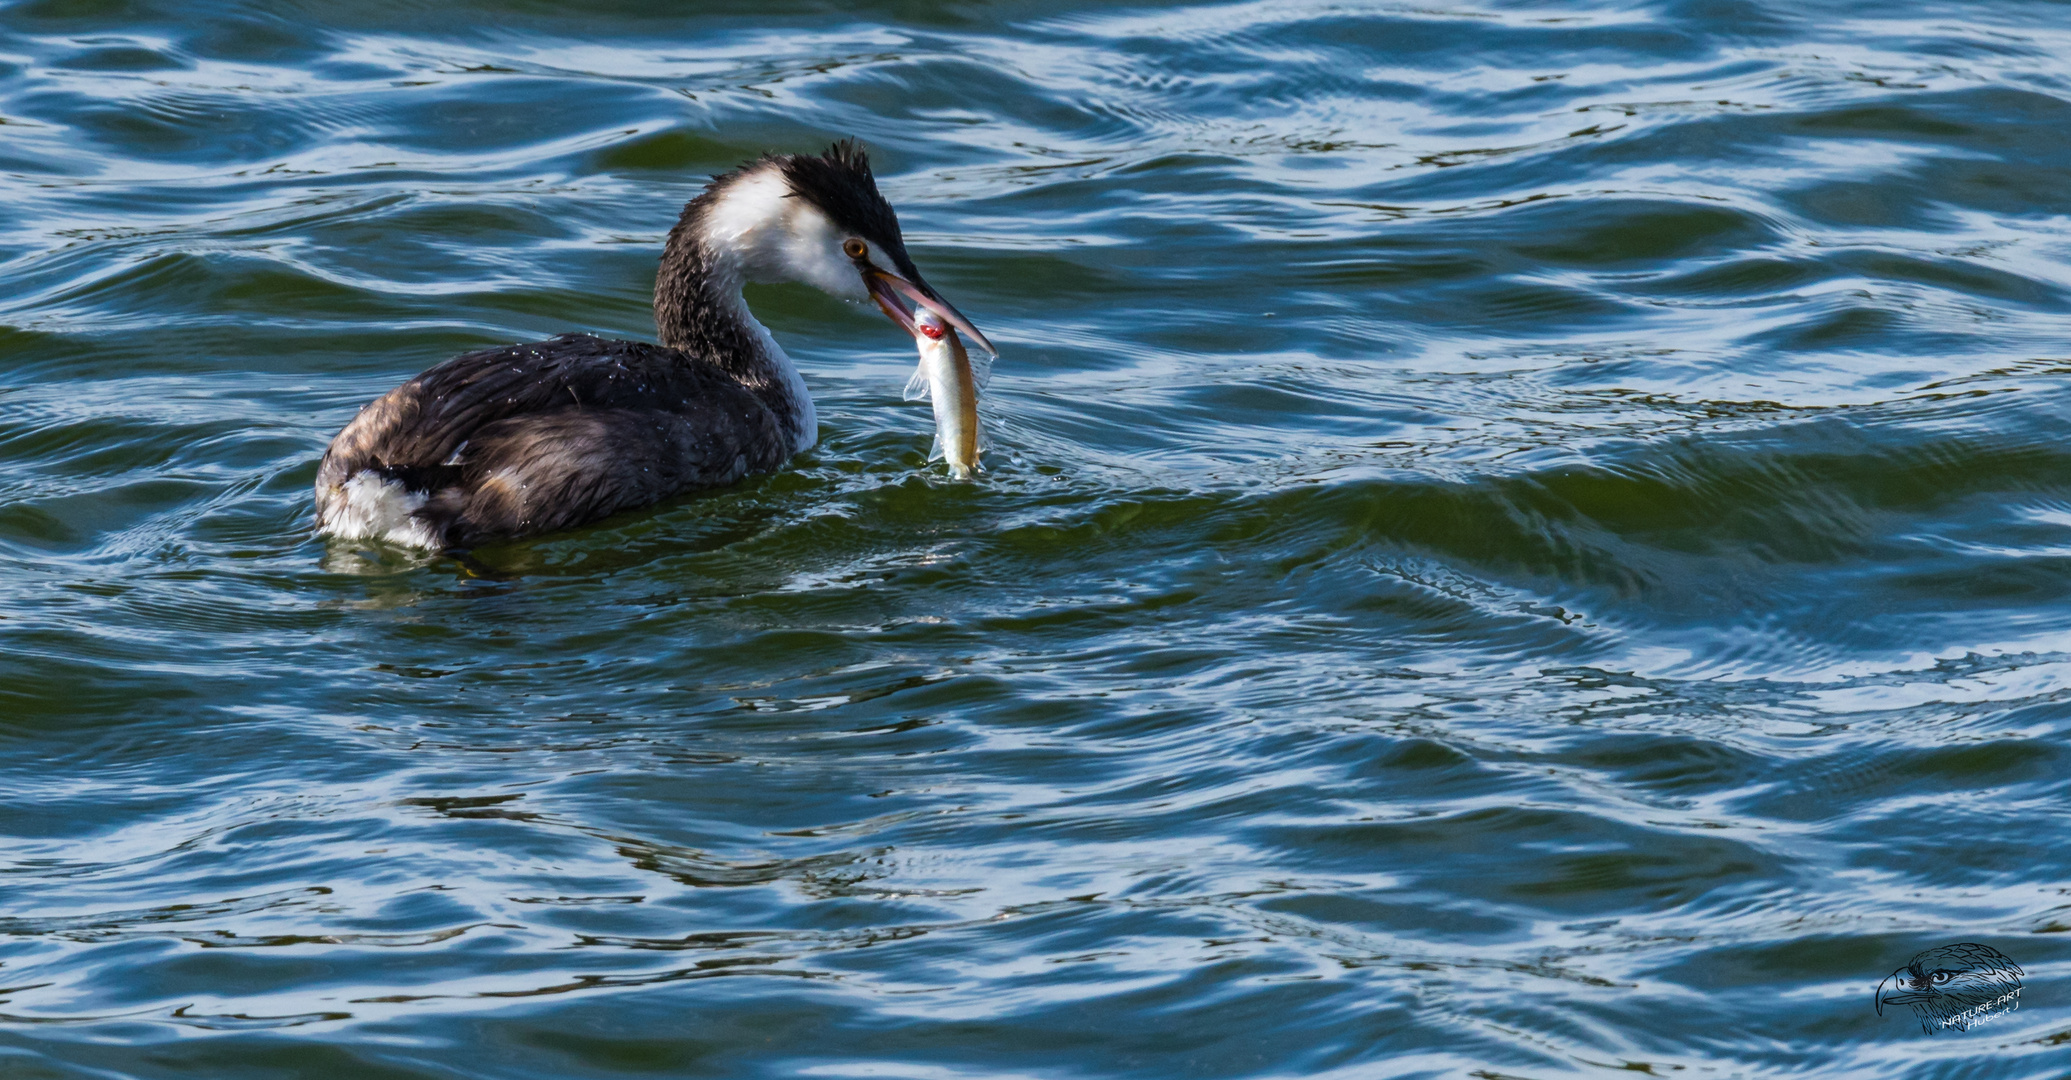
x,y
1522,541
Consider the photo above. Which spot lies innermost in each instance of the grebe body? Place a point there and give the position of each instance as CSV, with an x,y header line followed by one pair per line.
x,y
531,438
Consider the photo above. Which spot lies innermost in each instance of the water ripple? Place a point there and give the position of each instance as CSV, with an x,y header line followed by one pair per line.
x,y
1521,542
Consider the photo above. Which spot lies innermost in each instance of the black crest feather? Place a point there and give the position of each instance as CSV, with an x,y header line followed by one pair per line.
x,y
840,183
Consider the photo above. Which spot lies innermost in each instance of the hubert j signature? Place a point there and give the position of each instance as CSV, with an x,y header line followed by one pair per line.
x,y
1954,986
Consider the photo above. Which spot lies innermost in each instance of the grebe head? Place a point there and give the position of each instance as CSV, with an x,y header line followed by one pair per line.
x,y
819,219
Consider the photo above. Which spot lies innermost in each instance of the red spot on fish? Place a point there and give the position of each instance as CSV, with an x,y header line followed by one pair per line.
x,y
934,332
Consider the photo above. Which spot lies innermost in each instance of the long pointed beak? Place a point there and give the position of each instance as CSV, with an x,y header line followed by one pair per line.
x,y
1899,996
888,289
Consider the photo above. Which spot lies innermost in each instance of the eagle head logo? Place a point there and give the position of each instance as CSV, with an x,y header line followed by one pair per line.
x,y
1954,986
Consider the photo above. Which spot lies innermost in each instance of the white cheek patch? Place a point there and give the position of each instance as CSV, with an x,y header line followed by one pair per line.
x,y
751,211
772,236
814,254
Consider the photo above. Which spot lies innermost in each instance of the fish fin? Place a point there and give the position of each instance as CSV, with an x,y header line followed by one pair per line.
x,y
981,370
937,452
917,387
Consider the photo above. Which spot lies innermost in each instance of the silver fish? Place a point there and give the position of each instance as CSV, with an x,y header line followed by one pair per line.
x,y
948,375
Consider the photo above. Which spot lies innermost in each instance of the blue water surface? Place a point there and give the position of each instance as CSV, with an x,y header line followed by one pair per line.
x,y
1524,540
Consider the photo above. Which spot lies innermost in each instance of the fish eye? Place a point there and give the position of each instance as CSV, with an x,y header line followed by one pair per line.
x,y
854,248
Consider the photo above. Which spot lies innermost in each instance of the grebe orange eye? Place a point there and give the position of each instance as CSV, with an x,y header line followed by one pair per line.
x,y
854,248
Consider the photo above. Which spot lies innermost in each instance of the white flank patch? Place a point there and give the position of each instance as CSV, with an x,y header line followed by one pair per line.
x,y
373,507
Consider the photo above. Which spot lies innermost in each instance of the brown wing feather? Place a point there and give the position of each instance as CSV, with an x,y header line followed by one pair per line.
x,y
530,438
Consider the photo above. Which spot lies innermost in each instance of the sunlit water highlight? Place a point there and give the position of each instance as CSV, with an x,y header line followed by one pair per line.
x,y
1520,541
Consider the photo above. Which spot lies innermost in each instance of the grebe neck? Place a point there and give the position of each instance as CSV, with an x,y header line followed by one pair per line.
x,y
698,307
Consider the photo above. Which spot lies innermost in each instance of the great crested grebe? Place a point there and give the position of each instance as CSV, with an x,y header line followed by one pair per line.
x,y
531,438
